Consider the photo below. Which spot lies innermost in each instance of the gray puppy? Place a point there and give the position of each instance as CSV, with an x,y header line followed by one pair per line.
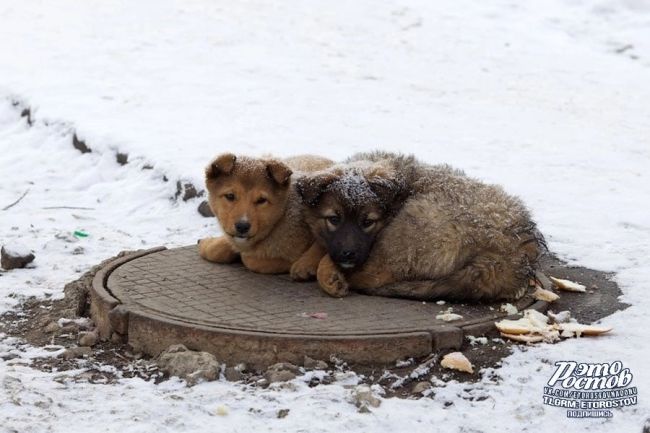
x,y
394,226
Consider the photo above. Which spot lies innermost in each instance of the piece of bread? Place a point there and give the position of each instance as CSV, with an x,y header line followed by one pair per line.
x,y
545,295
524,338
579,329
457,361
534,327
568,285
448,317
521,326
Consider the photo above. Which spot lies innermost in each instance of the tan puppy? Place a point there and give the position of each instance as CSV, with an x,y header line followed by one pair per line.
x,y
393,226
261,216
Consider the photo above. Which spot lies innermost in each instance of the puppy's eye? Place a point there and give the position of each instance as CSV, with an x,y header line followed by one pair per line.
x,y
367,223
334,220
261,200
230,196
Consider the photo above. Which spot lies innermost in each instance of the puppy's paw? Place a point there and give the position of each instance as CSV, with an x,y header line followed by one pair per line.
x,y
217,250
335,285
303,270
331,280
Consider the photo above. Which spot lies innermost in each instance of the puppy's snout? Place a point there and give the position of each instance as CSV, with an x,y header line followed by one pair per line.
x,y
242,227
346,259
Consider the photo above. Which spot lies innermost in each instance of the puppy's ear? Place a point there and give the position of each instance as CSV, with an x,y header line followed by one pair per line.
x,y
222,165
278,172
391,191
310,188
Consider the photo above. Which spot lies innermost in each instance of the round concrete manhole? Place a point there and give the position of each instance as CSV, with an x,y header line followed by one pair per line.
x,y
162,297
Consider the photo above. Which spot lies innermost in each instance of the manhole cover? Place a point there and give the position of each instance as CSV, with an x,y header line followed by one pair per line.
x,y
168,296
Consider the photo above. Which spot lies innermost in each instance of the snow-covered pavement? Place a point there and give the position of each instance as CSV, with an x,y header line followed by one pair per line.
x,y
549,98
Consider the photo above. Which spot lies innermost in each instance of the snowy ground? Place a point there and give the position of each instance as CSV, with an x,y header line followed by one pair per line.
x,y
549,98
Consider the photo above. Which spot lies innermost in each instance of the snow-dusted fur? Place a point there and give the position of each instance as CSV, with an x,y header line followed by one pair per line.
x,y
453,237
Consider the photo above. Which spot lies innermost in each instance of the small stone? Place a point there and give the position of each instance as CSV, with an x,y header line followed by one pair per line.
x,y
76,352
83,351
187,364
282,413
187,191
279,376
232,374
28,114
420,387
15,257
80,145
52,327
122,158
285,366
314,364
363,398
281,372
205,210
87,338
78,251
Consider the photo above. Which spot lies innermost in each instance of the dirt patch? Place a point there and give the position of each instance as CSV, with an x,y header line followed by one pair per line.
x,y
55,325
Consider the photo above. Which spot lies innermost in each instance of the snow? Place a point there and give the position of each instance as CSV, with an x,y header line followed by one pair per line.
x,y
17,249
545,97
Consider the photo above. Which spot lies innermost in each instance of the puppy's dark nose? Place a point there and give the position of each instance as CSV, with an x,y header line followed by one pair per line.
x,y
348,255
242,227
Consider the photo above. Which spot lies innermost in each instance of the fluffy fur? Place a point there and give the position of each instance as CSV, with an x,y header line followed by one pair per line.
x,y
260,213
438,234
